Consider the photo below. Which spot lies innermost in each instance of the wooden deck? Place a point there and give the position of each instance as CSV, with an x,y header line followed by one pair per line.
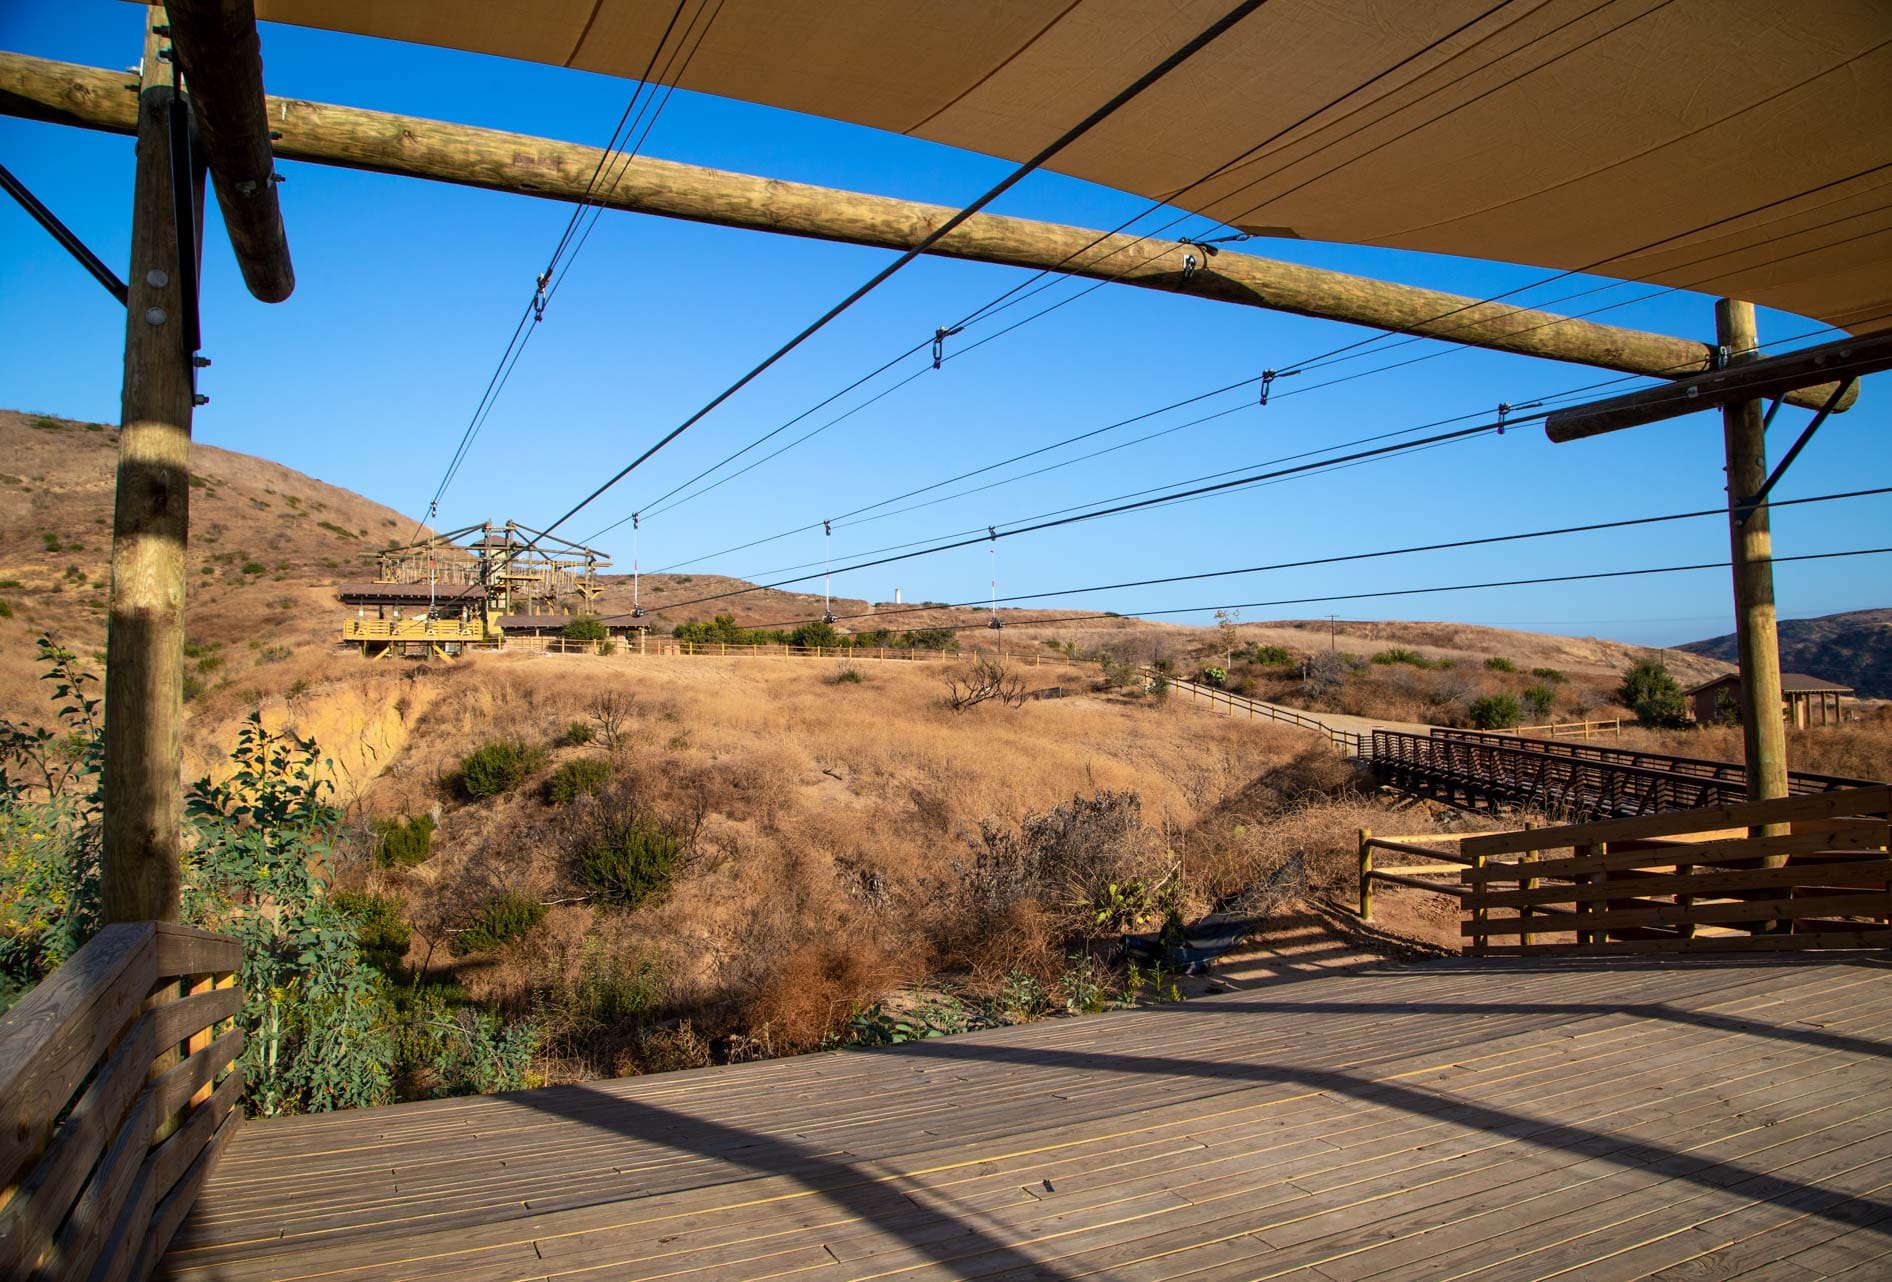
x,y
1498,1120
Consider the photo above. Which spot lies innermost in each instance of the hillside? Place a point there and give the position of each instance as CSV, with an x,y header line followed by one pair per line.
x,y
1854,649
268,544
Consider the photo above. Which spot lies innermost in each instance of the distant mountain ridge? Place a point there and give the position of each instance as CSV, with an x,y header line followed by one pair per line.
x,y
1854,649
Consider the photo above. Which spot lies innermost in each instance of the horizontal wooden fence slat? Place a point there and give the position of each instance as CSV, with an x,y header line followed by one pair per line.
x,y
1861,874
1700,944
59,1031
1697,913
179,1019
104,1127
1400,847
1859,801
37,1205
1808,850
185,950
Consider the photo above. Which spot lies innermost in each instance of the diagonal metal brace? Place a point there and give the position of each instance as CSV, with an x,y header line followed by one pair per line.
x,y
1745,508
63,234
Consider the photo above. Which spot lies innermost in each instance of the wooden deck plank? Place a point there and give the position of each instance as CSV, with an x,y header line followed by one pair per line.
x,y
1483,1116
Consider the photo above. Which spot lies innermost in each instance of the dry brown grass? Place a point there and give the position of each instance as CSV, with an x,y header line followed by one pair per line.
x,y
1860,749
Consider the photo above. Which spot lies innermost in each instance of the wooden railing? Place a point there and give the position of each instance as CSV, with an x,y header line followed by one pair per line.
x,y
1348,743
1800,783
417,629
1798,872
1445,857
117,1090
1493,772
1571,729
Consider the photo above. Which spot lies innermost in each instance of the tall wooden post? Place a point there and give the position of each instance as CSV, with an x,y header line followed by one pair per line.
x,y
143,786
1751,544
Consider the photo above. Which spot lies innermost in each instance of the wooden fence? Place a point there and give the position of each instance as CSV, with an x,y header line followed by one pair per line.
x,y
1798,872
1800,783
1445,862
118,1090
1572,729
1348,743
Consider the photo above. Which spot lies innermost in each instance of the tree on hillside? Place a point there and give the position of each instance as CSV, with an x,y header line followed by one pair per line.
x,y
1226,622
585,628
1652,694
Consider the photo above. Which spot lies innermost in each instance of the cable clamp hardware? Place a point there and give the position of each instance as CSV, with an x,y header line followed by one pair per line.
x,y
827,528
1267,382
940,336
1504,408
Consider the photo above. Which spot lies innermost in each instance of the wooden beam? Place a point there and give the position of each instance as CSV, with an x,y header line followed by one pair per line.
x,y
1757,642
144,649
216,45
1745,379
406,145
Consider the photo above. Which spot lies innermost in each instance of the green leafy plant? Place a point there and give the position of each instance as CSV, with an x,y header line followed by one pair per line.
x,y
403,843
1495,712
1271,656
498,767
1539,698
381,933
630,860
1498,663
585,628
576,778
1653,695
1215,676
501,920
580,733
1551,675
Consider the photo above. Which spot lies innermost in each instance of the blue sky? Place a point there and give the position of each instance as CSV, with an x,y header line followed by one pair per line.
x,y
408,290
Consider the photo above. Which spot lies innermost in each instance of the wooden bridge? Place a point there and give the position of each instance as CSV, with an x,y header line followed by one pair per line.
x,y
1564,778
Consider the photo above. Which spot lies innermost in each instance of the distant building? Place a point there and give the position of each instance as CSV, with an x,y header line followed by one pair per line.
x,y
1804,701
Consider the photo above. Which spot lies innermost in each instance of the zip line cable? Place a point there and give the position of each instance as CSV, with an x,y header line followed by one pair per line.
x,y
1313,562
1396,592
1203,39
1496,425
1267,376
1542,400
1000,303
534,310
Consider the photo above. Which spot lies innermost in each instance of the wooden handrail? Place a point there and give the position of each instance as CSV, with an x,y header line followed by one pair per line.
x,y
119,1086
1826,805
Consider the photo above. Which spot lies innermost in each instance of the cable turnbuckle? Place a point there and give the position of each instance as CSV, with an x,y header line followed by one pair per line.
x,y
1267,382
940,336
1504,408
827,528
634,520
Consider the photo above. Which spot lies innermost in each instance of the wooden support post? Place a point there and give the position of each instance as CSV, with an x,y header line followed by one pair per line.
x,y
143,784
1526,882
1751,545
1366,874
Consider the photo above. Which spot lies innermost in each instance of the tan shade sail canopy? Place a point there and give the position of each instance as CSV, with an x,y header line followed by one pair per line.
x,y
1736,147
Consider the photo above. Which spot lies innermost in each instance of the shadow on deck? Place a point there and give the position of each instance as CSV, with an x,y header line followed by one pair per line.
x,y
1516,1120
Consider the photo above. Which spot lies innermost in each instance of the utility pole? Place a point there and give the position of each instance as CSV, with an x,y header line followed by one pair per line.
x,y
1751,554
143,785
1333,633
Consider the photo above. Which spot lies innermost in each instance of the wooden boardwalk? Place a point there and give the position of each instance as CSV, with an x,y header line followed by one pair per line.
x,y
1498,1120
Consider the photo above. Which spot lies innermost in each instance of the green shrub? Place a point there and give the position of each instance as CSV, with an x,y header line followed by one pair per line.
x,y
810,635
1652,694
504,919
1551,675
6,610
255,567
1398,654
628,862
576,778
1538,699
497,767
193,687
1498,663
380,931
585,628
50,539
1215,676
579,733
846,674
1495,712
11,583
404,843
1272,656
